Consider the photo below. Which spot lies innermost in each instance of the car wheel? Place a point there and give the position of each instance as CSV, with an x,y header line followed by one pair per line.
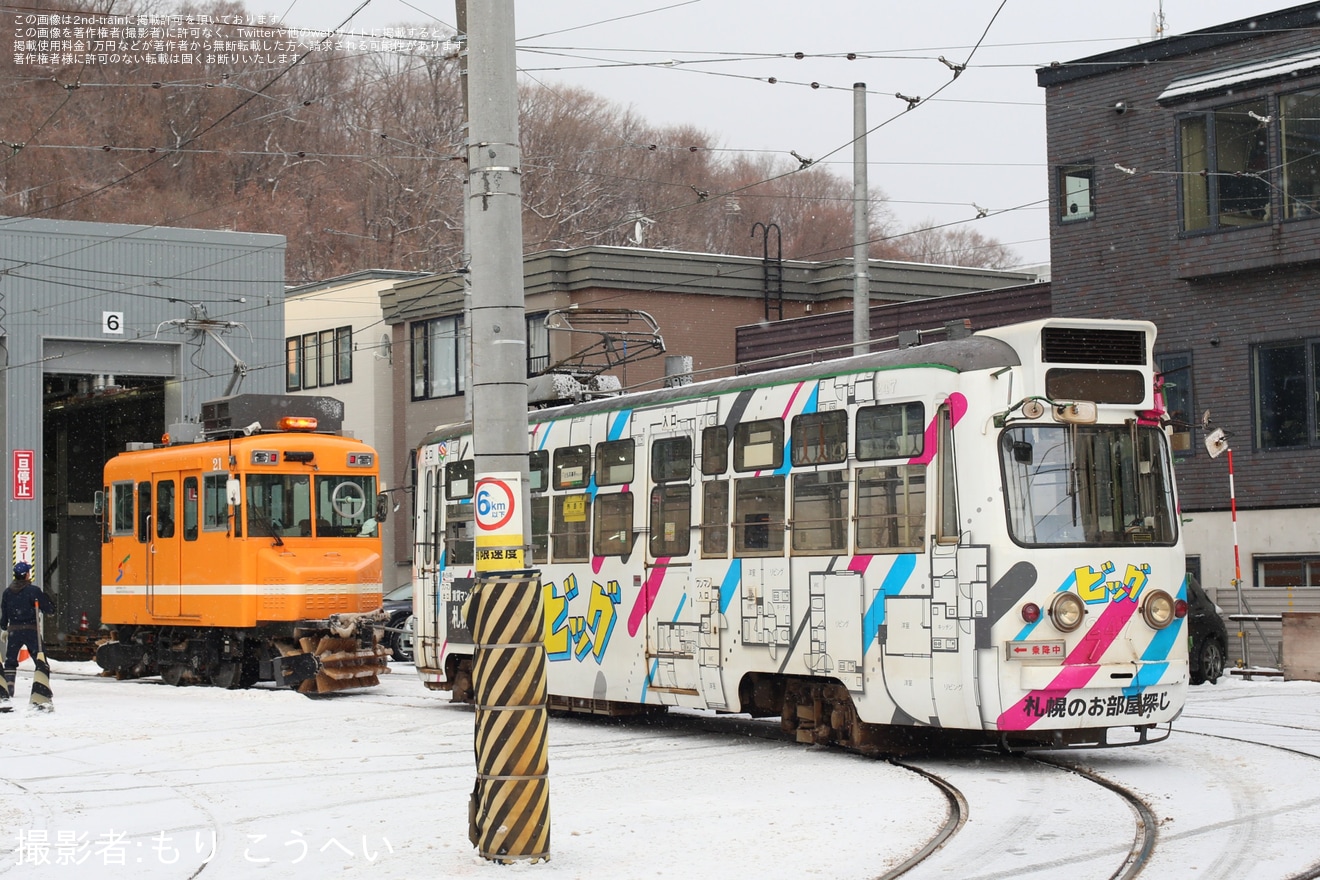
x,y
395,640
1211,657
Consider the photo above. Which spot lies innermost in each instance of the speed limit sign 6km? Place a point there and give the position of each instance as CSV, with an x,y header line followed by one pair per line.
x,y
496,503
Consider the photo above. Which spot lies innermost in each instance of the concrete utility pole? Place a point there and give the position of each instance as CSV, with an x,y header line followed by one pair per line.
x,y
510,809
861,228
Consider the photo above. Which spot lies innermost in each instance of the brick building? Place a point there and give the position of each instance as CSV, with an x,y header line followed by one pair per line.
x,y
1185,184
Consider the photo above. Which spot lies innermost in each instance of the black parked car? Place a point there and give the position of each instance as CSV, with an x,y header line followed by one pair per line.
x,y
1208,645
398,638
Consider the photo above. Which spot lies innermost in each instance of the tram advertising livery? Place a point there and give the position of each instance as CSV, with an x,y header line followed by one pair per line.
x,y
972,541
248,553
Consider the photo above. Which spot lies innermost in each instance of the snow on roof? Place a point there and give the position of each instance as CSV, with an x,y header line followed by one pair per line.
x,y
1240,75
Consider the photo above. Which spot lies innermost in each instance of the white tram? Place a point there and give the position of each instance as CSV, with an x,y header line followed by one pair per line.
x,y
976,536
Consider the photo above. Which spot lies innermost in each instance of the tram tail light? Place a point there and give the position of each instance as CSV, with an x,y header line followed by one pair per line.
x,y
1031,612
1067,611
1158,609
1180,609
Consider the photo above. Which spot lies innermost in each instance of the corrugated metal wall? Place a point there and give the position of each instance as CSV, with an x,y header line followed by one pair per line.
x,y
91,298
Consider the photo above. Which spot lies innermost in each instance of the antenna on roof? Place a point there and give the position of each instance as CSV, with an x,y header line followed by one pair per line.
x,y
1158,27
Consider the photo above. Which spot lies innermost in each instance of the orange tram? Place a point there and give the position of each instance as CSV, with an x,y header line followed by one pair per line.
x,y
248,552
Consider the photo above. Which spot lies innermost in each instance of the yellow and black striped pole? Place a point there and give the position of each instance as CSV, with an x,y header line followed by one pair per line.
x,y
509,817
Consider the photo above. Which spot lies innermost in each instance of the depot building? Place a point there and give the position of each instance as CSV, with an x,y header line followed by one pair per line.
x,y
110,334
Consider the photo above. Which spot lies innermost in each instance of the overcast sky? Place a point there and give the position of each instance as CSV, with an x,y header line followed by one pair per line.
x,y
706,63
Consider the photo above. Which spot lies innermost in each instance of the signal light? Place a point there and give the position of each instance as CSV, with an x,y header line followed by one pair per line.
x,y
1031,612
1180,609
296,423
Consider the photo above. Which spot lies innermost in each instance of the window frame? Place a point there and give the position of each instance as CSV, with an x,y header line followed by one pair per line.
x,y
1310,352
1181,365
1211,172
426,383
1064,172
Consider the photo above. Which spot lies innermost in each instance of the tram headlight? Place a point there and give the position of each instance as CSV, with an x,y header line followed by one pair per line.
x,y
1158,609
1067,612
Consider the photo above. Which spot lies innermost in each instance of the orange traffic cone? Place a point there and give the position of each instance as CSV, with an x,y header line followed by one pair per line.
x,y
23,654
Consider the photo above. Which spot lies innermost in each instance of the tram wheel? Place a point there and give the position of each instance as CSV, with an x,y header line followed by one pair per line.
x,y
228,674
174,674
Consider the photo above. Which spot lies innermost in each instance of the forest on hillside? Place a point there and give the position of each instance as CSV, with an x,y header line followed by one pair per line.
x,y
357,157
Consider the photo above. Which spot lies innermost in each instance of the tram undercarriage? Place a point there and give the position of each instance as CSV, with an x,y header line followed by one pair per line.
x,y
314,657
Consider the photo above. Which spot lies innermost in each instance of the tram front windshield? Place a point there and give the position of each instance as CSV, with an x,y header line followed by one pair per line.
x,y
283,504
1095,485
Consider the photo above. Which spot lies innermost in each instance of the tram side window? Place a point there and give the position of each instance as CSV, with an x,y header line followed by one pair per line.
x,y
429,502
759,446
143,512
121,522
570,540
572,467
190,509
614,462
947,517
540,529
215,503
671,459
758,516
893,430
715,450
538,470
891,509
715,518
613,532
460,534
820,512
671,520
165,509
458,479
820,438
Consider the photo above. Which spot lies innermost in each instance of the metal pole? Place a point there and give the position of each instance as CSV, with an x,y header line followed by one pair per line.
x,y
510,808
1237,562
861,228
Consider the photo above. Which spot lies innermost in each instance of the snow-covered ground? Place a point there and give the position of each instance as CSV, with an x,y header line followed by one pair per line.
x,y
139,779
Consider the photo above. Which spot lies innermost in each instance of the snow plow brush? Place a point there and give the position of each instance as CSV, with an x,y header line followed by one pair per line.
x,y
333,655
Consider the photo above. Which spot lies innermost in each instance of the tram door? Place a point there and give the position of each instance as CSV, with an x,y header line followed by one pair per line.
x,y
164,595
683,622
929,650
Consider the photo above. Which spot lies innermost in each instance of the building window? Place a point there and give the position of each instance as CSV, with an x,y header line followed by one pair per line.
x,y
292,363
318,359
344,355
439,358
538,344
1224,160
311,360
1283,391
1076,192
1300,136
1287,571
1176,369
